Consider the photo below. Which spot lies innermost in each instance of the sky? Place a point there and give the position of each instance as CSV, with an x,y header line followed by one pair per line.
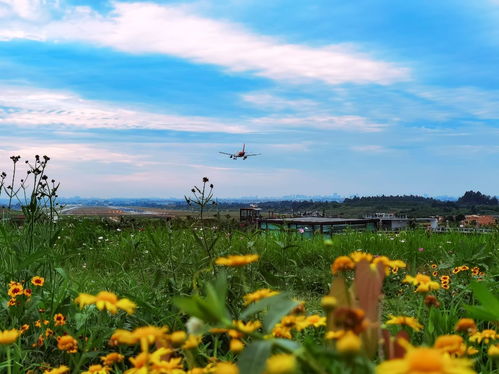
x,y
137,98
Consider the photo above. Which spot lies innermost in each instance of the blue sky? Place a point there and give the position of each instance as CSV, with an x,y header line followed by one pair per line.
x,y
136,99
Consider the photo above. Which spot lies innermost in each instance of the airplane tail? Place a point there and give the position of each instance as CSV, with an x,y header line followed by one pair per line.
x,y
244,145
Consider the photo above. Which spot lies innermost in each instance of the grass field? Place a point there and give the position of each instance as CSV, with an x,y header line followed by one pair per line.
x,y
160,265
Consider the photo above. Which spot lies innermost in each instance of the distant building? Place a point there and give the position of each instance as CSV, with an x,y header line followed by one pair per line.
x,y
392,222
477,220
249,215
307,226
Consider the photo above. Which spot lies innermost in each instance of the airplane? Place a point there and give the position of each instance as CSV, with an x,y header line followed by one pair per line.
x,y
242,154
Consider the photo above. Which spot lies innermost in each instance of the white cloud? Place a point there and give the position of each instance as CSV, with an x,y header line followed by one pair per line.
x,y
61,110
176,31
269,101
369,148
472,101
323,122
30,107
27,9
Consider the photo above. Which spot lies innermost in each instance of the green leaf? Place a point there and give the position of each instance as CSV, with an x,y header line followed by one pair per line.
x,y
276,312
252,360
486,298
263,304
480,312
188,305
287,344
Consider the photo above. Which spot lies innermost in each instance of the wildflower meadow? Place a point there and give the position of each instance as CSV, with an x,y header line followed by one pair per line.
x,y
89,295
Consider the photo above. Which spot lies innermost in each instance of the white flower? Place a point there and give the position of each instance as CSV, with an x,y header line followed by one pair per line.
x,y
194,326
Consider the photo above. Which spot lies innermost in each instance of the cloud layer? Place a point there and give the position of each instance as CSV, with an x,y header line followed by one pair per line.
x,y
172,30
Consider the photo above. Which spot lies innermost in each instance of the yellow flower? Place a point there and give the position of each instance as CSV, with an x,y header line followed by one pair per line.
x,y
465,325
236,345
97,369
247,327
410,279
148,335
59,319
358,256
426,361
226,368
112,358
281,364
485,336
258,295
395,264
493,351
236,260
15,289
122,337
382,259
105,300
67,343
60,370
423,282
24,328
162,366
126,305
342,263
85,299
329,302
139,363
280,331
9,336
178,337
349,343
37,281
192,342
334,335
427,287
316,320
412,322
452,344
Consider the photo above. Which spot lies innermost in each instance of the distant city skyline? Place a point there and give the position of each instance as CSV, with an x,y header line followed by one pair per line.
x,y
136,98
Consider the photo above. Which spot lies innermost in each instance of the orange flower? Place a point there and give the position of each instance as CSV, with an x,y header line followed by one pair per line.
x,y
67,343
105,300
15,289
37,281
258,295
9,336
59,319
112,358
466,325
342,263
412,322
426,360
236,260
452,344
358,256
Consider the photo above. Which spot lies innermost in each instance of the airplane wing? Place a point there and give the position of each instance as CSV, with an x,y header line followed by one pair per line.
x,y
225,153
253,154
